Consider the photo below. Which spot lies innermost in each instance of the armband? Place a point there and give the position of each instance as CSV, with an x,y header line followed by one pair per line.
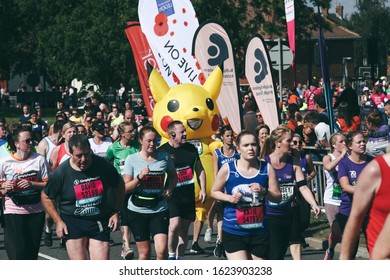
x,y
302,183
138,178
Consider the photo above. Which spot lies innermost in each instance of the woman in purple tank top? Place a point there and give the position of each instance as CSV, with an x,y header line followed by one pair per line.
x,y
283,219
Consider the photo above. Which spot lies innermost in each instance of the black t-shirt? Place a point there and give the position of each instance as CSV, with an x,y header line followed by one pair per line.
x,y
87,194
184,159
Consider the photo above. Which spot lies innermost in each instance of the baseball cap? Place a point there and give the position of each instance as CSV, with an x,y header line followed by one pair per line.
x,y
365,88
97,125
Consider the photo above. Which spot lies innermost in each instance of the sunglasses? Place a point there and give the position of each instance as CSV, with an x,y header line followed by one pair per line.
x,y
28,141
297,142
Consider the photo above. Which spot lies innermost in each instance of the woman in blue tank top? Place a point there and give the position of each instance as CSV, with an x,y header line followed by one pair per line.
x,y
289,173
244,184
221,156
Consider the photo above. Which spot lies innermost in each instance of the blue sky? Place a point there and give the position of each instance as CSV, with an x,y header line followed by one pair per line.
x,y
349,6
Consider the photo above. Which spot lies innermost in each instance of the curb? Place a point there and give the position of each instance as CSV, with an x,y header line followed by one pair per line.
x,y
323,244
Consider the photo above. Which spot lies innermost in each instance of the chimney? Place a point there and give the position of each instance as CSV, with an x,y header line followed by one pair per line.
x,y
325,11
340,11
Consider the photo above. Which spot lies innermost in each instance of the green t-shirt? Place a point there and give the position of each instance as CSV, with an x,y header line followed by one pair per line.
x,y
118,154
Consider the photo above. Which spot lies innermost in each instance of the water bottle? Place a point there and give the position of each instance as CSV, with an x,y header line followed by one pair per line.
x,y
255,198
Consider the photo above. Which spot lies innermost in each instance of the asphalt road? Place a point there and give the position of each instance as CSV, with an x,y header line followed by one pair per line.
x,y
313,252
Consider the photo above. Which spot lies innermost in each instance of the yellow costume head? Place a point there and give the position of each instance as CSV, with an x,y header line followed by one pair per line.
x,y
194,105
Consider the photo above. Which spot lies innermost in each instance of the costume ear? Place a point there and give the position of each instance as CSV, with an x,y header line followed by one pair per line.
x,y
214,82
158,87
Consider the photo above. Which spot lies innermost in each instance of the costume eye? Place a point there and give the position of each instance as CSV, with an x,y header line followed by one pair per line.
x,y
173,105
210,103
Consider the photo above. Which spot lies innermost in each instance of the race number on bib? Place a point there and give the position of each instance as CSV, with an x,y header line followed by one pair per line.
x,y
250,218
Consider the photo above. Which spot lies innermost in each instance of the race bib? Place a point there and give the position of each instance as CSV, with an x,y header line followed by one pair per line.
x,y
337,190
287,191
250,218
185,176
152,183
88,192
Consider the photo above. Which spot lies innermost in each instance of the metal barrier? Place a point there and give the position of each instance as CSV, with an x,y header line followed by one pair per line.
x,y
318,184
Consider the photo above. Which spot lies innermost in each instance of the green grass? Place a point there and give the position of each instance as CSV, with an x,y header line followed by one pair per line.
x,y
319,228
13,114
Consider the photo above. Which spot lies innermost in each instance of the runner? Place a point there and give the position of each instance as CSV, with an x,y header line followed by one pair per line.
x,y
182,203
247,181
61,153
45,147
147,210
90,194
332,194
221,156
117,154
23,174
284,217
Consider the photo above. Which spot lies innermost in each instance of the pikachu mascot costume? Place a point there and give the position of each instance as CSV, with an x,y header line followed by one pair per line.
x,y
196,107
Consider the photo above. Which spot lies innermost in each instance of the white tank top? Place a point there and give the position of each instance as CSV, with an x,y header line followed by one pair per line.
x,y
50,147
331,180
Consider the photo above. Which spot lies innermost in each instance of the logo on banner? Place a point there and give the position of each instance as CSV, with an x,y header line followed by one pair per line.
x,y
166,7
260,66
219,51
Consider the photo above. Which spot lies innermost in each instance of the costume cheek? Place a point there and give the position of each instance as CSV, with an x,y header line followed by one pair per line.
x,y
215,123
165,121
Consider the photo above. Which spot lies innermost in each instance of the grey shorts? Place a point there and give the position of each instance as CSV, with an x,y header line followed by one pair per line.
x,y
331,212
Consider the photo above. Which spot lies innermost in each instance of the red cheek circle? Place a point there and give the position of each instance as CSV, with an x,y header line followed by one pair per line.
x,y
215,123
165,121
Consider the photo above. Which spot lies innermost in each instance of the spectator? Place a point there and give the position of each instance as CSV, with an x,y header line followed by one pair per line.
x,y
249,118
320,107
346,121
349,95
321,129
26,115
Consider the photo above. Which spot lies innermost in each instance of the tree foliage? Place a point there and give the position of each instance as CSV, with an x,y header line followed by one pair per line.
x,y
85,39
371,22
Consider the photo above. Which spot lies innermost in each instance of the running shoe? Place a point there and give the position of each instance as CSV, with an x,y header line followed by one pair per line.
x,y
48,239
127,253
171,256
196,249
329,255
207,235
112,242
218,251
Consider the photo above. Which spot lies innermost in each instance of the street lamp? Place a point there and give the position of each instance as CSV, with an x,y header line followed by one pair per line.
x,y
345,70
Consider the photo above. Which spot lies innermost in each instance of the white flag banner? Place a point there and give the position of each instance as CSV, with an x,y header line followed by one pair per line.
x,y
212,47
259,75
169,26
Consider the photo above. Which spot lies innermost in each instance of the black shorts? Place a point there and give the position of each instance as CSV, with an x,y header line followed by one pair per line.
x,y
182,203
144,226
256,244
79,228
123,212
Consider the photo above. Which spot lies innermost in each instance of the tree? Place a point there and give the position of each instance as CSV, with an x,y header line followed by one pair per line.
x,y
244,19
67,39
371,22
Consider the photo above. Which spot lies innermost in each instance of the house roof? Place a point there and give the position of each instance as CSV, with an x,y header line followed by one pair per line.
x,y
338,32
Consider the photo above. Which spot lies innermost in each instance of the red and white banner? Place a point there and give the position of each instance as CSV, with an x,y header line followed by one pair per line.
x,y
169,26
290,19
259,75
212,47
142,55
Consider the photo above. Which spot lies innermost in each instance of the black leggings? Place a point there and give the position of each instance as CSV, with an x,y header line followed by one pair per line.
x,y
279,236
22,235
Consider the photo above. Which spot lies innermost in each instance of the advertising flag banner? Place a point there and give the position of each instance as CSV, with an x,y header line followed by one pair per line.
x,y
212,47
259,75
169,26
290,19
142,56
